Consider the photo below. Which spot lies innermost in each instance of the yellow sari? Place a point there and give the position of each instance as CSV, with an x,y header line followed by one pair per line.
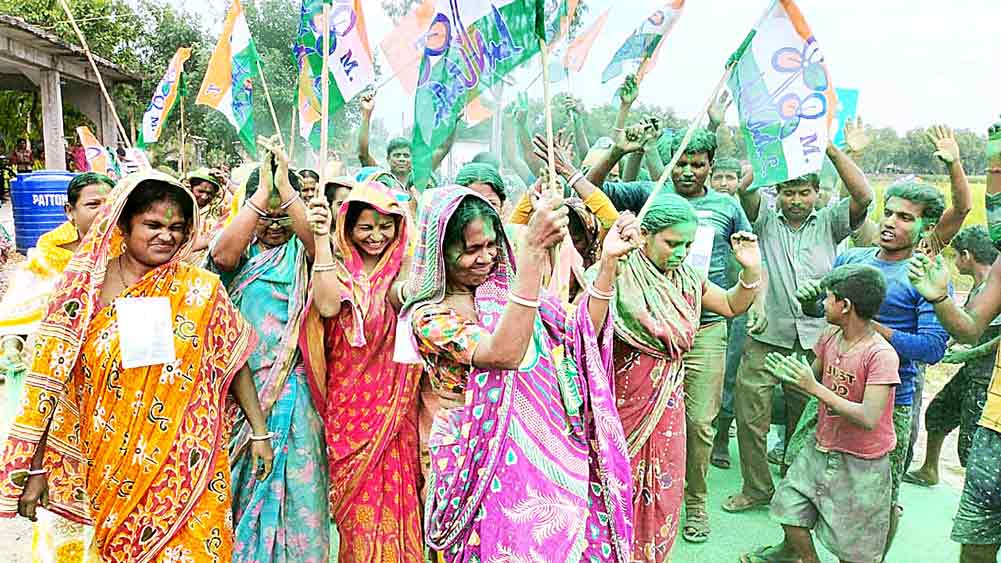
x,y
139,453
33,282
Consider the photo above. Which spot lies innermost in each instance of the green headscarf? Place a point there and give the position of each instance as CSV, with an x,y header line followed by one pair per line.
x,y
667,210
481,172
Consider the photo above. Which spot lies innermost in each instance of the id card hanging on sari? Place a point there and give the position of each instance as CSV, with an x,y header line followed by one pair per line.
x,y
145,331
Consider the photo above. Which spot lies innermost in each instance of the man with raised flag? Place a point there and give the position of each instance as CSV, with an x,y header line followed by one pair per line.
x,y
228,86
170,88
641,47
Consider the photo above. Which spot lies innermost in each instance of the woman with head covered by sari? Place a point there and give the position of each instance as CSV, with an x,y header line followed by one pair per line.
x,y
137,451
262,258
367,401
527,456
656,309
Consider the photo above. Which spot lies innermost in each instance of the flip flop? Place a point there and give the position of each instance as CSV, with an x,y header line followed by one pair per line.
x,y
720,460
768,554
913,478
696,528
741,503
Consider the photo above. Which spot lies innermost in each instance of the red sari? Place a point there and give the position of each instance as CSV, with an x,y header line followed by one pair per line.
x,y
656,316
368,402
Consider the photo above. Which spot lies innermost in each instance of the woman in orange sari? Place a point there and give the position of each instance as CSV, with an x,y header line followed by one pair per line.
x,y
368,402
125,430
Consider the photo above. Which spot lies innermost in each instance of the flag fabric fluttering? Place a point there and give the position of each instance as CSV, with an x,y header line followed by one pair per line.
x,y
558,16
228,86
580,47
404,46
641,47
469,46
164,97
784,95
99,158
350,61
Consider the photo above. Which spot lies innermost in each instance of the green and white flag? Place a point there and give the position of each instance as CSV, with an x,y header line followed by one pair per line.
x,y
470,45
784,95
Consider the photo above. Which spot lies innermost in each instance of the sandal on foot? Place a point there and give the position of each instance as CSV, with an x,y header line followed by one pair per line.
x,y
720,460
741,503
696,528
769,554
914,478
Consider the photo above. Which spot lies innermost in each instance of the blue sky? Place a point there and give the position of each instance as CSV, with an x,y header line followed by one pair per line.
x,y
916,62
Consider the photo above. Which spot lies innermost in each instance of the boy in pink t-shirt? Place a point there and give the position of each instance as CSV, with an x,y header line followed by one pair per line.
x,y
840,485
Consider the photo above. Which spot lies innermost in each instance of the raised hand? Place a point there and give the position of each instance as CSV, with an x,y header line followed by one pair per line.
x,y
745,250
930,278
318,216
561,158
623,237
629,91
368,102
633,138
793,369
946,147
856,139
717,110
548,225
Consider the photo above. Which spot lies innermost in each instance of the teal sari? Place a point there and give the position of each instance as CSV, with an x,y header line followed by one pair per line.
x,y
286,517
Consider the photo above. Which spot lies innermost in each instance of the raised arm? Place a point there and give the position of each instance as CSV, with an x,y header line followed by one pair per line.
x,y
627,141
367,106
506,347
628,93
856,184
237,236
328,291
750,200
931,279
738,299
577,117
296,207
947,150
623,238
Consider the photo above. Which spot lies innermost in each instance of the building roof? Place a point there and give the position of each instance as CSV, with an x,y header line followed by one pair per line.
x,y
53,46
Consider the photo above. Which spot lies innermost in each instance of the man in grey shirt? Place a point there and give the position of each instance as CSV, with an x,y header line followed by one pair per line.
x,y
798,244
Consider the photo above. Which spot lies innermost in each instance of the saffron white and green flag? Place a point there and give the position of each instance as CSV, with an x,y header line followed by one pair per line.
x,y
640,49
784,96
171,87
470,45
349,63
228,86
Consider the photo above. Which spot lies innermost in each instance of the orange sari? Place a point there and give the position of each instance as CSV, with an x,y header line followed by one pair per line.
x,y
139,453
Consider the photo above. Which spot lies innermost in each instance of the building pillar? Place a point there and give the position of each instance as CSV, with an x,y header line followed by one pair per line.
x,y
52,120
108,127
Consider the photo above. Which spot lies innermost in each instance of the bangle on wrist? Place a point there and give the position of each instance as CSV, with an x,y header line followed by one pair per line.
x,y
599,294
262,437
940,299
994,170
574,178
530,303
745,285
290,201
327,267
34,472
400,294
260,212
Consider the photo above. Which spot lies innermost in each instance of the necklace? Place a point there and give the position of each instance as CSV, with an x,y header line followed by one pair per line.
x,y
453,292
841,342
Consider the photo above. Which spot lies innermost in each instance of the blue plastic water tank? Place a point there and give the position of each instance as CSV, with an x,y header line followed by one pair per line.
x,y
38,199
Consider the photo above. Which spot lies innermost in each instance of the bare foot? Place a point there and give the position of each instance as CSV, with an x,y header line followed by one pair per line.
x,y
922,477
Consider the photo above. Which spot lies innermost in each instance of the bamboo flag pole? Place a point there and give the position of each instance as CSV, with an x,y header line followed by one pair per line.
x,y
550,148
291,137
684,142
325,88
271,105
182,161
97,73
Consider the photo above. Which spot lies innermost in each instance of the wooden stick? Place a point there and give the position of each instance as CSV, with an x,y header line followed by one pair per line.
x,y
550,148
181,159
271,105
291,138
325,88
97,73
684,142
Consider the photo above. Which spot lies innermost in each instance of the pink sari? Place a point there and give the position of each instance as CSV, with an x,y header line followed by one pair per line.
x,y
368,403
656,316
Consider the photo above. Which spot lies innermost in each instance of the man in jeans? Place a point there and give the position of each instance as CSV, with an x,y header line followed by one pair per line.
x,y
798,244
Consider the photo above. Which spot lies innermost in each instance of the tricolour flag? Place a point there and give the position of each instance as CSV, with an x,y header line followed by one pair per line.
x,y
99,158
577,52
404,46
640,48
350,60
469,46
227,87
558,16
164,97
784,96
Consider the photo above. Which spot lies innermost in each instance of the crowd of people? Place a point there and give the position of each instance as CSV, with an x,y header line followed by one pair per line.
x,y
299,366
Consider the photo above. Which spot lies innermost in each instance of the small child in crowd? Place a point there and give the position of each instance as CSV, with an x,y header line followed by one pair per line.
x,y
839,484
